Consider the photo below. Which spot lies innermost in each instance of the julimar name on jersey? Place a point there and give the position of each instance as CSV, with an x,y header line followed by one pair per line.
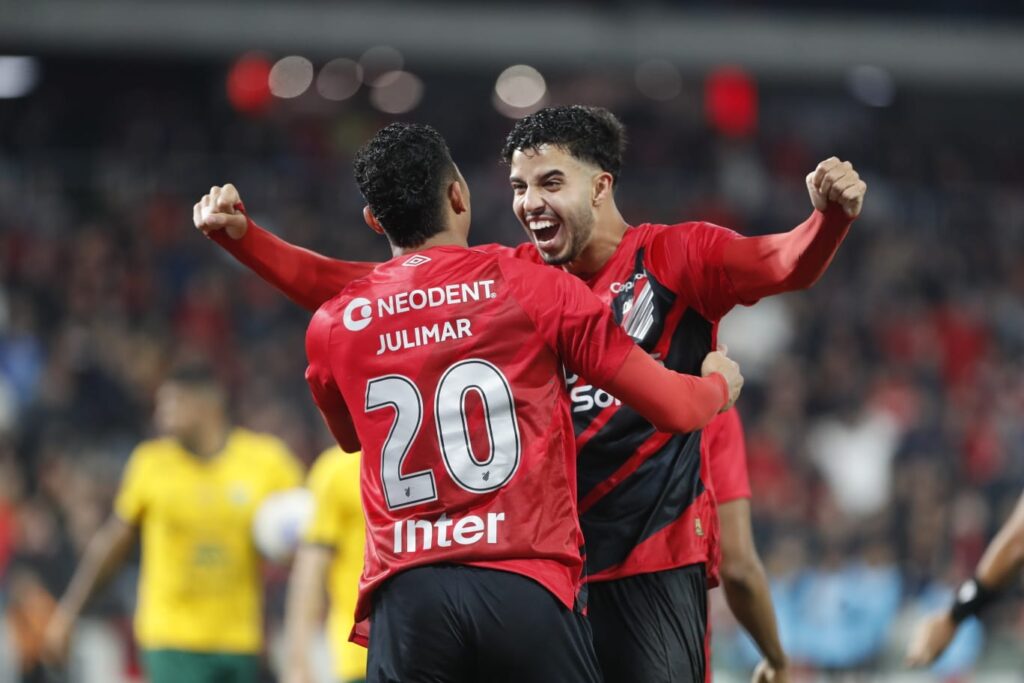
x,y
424,334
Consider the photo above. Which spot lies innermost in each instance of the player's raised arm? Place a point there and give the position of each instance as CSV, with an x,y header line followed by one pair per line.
x,y
306,277
1003,559
771,264
591,344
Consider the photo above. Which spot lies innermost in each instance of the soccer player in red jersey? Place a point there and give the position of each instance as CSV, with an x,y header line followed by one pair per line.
x,y
444,365
740,569
648,516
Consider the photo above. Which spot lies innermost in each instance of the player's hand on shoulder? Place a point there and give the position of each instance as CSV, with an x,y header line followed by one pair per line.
x,y
931,639
837,182
217,210
766,673
718,361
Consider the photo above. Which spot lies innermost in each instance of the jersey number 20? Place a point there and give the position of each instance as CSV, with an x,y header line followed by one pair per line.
x,y
469,472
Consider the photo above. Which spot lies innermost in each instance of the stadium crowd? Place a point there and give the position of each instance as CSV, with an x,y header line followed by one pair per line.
x,y
882,406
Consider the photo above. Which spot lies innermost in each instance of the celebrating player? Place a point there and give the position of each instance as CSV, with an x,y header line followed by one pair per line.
x,y
445,364
647,512
331,555
192,496
1003,559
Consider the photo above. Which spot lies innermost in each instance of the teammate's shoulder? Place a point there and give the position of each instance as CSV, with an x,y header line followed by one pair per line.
x,y
154,449
260,444
332,464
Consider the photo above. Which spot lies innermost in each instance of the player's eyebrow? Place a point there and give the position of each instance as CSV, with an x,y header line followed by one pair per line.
x,y
543,179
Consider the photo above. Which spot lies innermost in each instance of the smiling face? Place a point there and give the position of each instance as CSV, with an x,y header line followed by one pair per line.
x,y
553,198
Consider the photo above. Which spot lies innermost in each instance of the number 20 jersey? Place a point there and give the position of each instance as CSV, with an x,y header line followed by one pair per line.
x,y
450,363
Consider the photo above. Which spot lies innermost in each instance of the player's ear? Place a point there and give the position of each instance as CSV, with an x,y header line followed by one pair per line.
x,y
458,197
604,185
371,221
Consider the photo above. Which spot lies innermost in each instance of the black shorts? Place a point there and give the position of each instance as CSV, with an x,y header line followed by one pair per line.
x,y
651,627
449,623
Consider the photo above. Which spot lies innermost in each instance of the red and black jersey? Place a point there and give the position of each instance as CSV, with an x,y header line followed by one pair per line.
x,y
645,503
644,498
446,367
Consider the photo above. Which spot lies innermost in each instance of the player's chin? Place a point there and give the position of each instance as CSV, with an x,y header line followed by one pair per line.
x,y
556,250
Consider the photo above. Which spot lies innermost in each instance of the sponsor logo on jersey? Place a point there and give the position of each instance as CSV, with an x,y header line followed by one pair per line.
x,y
358,314
627,286
415,535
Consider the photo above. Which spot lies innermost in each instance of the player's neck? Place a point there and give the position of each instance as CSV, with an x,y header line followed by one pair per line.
x,y
447,238
604,240
207,441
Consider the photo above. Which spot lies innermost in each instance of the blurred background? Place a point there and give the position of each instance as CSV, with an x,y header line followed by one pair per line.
x,y
883,407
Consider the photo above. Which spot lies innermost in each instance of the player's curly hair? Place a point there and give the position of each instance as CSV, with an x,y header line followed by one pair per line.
x,y
402,172
591,134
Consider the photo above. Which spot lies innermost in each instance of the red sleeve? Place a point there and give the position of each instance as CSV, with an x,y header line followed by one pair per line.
x,y
321,381
570,319
771,264
687,259
583,332
670,401
306,277
727,450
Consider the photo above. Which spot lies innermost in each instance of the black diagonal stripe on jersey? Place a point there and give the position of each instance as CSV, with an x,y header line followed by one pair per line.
x,y
648,500
626,431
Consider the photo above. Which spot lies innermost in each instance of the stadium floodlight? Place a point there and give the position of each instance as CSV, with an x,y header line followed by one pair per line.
x,y
381,65
18,76
402,92
339,79
291,76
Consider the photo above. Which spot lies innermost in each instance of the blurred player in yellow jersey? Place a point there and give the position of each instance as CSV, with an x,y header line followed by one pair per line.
x,y
332,553
191,496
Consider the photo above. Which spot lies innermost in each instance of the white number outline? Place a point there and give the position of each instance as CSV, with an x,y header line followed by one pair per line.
x,y
494,448
413,478
390,462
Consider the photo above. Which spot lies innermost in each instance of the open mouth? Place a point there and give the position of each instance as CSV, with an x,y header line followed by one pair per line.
x,y
545,230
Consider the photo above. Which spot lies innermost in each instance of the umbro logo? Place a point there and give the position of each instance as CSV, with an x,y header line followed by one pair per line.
x,y
417,260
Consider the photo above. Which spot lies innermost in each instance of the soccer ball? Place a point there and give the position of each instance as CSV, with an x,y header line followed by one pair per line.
x,y
279,522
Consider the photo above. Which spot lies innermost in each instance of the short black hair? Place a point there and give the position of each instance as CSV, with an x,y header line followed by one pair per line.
x,y
591,134
402,172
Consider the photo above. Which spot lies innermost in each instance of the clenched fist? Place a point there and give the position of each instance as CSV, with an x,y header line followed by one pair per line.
x,y
717,361
218,211
836,182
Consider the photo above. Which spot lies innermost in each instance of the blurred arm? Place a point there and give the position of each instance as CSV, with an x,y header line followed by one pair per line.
x,y
1004,556
304,608
745,582
1003,559
772,264
104,554
306,277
